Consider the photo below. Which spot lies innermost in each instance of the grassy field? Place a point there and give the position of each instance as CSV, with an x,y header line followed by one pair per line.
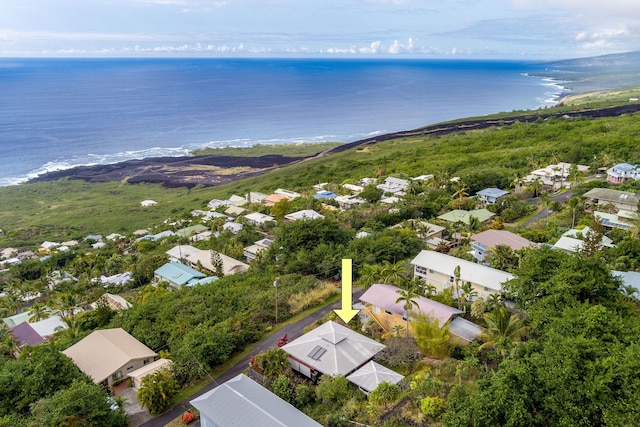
x,y
603,98
290,150
31,213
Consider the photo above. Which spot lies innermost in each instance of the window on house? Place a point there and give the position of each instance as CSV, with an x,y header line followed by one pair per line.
x,y
487,289
376,309
117,375
145,361
388,312
431,271
451,279
130,368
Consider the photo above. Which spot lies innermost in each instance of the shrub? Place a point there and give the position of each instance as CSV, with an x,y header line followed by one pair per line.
x,y
433,407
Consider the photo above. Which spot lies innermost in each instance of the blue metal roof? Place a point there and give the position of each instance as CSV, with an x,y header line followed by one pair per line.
x,y
178,274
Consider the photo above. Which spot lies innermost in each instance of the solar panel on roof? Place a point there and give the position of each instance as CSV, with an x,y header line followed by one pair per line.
x,y
317,352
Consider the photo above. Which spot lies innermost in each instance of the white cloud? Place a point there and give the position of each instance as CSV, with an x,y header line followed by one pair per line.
x,y
597,8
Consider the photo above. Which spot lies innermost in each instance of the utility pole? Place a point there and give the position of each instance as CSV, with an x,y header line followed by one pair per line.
x,y
275,285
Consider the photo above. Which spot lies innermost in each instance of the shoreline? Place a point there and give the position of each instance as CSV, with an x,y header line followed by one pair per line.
x,y
213,170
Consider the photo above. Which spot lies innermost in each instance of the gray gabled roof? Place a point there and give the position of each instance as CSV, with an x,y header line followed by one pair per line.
x,y
333,349
243,402
462,328
371,375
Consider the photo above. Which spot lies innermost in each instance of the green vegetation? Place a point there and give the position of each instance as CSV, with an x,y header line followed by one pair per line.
x,y
604,98
566,354
289,150
33,212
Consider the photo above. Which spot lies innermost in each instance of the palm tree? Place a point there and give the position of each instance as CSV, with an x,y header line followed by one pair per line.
x,y
494,301
460,192
67,303
503,330
10,303
408,297
428,290
393,273
536,186
73,332
370,274
502,257
575,203
474,224
39,311
468,293
8,343
456,281
397,330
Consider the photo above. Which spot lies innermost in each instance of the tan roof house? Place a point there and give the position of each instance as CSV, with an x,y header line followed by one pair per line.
x,y
272,199
148,369
463,216
194,256
109,355
115,302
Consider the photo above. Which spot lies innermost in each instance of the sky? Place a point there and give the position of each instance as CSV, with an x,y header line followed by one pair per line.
x,y
541,29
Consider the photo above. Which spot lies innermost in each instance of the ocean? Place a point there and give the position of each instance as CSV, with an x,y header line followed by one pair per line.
x,y
61,113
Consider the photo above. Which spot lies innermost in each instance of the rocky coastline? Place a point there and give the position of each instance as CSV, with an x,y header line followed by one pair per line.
x,y
211,170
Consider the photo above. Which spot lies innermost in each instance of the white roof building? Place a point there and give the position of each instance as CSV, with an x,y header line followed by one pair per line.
x,y
257,218
233,227
243,402
147,203
331,349
371,375
288,194
303,215
394,185
573,240
438,267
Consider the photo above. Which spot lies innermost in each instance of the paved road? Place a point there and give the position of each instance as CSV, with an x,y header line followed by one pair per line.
x,y
561,198
293,331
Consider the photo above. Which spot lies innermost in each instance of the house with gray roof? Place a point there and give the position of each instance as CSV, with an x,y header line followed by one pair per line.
x,y
394,185
257,218
490,196
243,402
573,240
330,349
371,375
625,200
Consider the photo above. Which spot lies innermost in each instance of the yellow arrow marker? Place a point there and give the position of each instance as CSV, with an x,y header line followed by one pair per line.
x,y
346,313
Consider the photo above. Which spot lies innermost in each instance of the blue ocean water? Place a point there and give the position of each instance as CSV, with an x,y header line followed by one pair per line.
x,y
60,113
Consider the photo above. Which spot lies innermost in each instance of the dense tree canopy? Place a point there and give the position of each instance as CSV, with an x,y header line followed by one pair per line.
x,y
580,365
